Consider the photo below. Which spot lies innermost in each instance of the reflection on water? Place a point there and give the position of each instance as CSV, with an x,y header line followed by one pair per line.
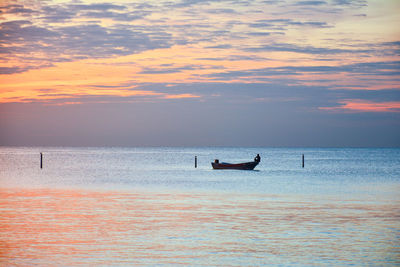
x,y
75,227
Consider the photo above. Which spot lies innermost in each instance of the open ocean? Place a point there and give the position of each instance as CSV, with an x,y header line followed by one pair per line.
x,y
150,206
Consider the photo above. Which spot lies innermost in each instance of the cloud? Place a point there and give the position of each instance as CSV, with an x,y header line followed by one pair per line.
x,y
170,68
221,11
56,14
66,12
221,46
17,9
234,58
390,68
99,7
10,70
286,47
355,3
310,3
67,32
181,96
259,33
108,11
21,39
98,41
112,15
23,32
16,69
333,3
189,3
283,24
58,32
358,105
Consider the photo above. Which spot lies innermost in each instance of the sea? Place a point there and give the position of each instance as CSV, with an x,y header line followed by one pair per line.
x,y
151,206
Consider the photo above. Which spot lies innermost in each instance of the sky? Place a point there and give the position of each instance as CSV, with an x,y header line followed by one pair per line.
x,y
279,73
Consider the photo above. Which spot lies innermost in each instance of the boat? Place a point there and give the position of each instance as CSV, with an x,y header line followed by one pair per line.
x,y
234,166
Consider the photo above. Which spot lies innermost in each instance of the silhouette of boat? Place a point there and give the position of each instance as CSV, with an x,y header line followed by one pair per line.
x,y
235,166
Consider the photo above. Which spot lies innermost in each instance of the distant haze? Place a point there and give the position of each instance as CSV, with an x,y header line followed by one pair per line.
x,y
200,73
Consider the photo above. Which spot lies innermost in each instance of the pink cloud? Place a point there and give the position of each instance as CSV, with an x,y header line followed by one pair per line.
x,y
356,105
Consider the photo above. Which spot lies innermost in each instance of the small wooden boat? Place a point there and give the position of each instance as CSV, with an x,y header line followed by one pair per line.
x,y
238,166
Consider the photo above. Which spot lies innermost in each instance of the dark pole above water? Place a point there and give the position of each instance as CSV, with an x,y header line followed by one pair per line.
x,y
303,160
195,161
41,160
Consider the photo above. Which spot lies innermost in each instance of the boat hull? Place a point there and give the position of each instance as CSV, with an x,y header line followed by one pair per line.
x,y
239,166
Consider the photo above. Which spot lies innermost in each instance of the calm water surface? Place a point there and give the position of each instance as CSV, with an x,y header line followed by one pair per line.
x,y
150,206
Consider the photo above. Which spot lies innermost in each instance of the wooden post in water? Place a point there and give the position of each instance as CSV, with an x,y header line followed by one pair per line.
x,y
303,160
41,160
195,161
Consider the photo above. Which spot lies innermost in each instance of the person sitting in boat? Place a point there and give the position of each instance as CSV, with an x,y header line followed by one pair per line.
x,y
257,158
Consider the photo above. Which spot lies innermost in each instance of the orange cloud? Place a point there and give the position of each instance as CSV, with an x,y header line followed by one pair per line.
x,y
103,58
365,106
181,96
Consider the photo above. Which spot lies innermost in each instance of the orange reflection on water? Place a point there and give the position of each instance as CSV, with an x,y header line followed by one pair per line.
x,y
72,227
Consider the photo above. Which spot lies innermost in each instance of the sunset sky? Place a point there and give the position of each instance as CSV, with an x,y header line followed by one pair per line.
x,y
200,72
